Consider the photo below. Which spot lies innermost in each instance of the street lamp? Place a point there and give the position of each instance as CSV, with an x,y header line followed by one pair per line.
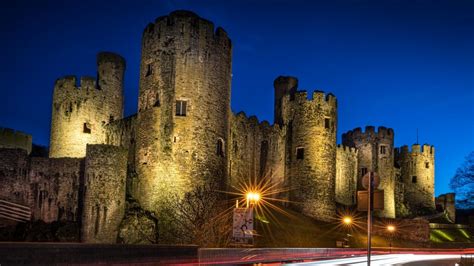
x,y
391,229
252,197
347,220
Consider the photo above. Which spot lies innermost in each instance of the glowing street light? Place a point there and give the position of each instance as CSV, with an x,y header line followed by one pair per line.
x,y
252,197
391,229
347,220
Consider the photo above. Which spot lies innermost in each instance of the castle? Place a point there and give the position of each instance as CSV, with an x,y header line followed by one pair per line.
x,y
185,135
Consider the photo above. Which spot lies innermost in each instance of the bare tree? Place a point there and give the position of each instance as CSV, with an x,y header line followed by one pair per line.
x,y
201,217
463,183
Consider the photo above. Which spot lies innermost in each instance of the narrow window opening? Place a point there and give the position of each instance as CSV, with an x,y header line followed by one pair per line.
x,y
220,148
427,165
326,123
236,147
87,128
181,108
157,101
299,153
97,85
149,70
97,219
263,157
383,149
363,171
413,179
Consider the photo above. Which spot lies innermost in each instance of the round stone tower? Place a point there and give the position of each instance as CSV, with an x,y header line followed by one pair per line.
x,y
81,110
417,174
375,153
183,110
311,126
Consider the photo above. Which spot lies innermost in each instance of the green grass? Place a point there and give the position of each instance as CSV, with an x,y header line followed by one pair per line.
x,y
295,230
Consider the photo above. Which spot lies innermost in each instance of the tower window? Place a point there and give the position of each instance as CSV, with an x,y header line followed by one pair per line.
x,y
326,123
87,128
300,153
220,148
149,70
363,171
181,107
413,179
383,149
427,165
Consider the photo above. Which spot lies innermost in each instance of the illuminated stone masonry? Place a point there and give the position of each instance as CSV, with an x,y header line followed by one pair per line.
x,y
184,135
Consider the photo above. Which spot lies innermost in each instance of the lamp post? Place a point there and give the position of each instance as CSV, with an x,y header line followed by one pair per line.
x,y
391,229
347,222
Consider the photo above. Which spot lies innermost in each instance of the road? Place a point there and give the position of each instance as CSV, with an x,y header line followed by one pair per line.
x,y
392,259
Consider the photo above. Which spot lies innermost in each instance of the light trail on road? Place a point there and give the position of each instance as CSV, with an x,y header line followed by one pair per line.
x,y
393,259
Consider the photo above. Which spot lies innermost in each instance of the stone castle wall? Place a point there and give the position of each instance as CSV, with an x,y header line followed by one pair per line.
x,y
256,153
311,152
417,175
375,153
14,179
50,187
104,193
184,135
80,112
183,120
346,175
447,203
11,139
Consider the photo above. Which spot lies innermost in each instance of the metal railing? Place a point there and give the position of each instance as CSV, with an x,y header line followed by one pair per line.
x,y
14,211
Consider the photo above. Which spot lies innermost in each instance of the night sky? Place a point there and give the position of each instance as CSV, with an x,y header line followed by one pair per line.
x,y
407,65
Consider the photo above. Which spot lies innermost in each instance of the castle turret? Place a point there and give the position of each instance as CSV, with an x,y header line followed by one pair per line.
x,y
375,153
311,152
80,111
184,108
417,174
283,86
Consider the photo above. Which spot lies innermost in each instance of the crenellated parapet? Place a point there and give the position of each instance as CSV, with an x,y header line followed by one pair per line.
x,y
13,139
416,149
370,134
349,151
187,24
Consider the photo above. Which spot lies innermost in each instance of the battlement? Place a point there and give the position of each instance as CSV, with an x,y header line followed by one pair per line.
x,y
369,133
426,149
318,98
264,124
70,82
13,139
186,22
347,149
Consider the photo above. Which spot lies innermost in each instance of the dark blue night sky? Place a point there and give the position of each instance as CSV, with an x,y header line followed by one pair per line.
x,y
401,64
